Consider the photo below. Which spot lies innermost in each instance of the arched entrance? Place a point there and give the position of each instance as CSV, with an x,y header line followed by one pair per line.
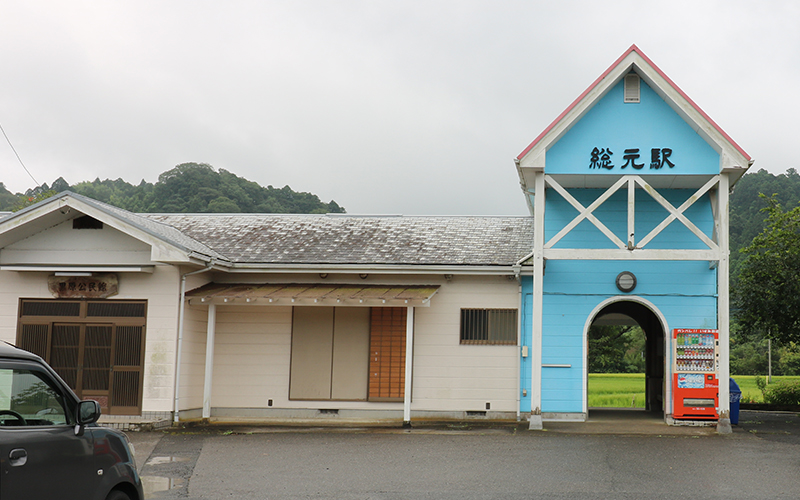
x,y
632,311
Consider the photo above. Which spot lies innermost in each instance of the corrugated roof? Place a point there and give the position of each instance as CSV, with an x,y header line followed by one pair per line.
x,y
327,239
214,292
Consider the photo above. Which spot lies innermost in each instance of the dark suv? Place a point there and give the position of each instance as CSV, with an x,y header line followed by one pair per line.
x,y
50,446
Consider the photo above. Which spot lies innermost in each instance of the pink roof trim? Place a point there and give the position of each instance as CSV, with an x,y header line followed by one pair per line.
x,y
634,48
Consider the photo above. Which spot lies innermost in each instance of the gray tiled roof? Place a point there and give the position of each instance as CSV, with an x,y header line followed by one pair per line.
x,y
335,239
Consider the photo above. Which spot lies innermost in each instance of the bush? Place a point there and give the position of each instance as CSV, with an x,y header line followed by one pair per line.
x,y
747,399
783,393
789,363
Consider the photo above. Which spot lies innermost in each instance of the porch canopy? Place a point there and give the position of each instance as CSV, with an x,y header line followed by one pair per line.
x,y
305,294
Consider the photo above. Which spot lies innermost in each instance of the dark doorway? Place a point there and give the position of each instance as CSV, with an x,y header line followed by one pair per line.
x,y
633,313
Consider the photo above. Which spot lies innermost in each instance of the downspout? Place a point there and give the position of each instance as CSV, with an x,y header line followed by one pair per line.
x,y
517,275
181,308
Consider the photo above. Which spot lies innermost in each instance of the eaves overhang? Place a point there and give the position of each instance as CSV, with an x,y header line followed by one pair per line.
x,y
374,268
313,294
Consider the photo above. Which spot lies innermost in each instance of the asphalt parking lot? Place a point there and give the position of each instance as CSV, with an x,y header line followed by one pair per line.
x,y
760,459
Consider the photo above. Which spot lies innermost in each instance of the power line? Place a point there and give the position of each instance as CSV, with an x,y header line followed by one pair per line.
x,y
36,183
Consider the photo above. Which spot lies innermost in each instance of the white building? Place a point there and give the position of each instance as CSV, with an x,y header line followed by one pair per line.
x,y
269,316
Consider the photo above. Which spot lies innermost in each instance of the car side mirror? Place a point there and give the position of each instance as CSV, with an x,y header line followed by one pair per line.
x,y
88,413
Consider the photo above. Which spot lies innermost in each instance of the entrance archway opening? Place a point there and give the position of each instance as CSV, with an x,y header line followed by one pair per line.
x,y
631,313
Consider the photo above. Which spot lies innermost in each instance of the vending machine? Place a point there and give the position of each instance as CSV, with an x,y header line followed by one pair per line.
x,y
695,372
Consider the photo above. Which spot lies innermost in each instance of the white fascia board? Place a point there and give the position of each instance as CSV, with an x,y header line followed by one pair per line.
x,y
528,166
370,269
623,254
86,269
37,219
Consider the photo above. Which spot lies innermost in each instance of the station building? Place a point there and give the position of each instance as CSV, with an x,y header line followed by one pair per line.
x,y
369,318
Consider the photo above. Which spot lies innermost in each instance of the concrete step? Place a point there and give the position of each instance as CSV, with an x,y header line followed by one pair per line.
x,y
134,423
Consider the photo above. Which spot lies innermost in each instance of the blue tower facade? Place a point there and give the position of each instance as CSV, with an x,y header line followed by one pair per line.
x,y
629,192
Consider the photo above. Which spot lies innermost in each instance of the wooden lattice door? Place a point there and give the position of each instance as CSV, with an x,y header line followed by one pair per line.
x,y
98,350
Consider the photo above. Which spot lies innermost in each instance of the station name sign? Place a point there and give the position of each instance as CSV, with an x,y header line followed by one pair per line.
x,y
659,158
99,286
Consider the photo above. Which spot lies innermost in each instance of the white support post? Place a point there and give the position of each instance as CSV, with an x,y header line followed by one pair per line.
x,y
631,214
409,366
723,308
537,318
210,331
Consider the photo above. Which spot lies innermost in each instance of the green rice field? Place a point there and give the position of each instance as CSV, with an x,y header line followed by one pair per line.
x,y
616,390
626,390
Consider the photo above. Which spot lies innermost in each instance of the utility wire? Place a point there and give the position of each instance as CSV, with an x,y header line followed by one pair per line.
x,y
36,183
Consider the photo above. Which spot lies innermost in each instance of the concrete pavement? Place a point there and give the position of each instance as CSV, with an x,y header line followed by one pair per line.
x,y
612,455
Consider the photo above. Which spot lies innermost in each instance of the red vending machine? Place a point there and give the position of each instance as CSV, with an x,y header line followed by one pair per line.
x,y
695,386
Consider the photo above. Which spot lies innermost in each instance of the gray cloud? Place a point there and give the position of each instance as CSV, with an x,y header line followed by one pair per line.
x,y
387,107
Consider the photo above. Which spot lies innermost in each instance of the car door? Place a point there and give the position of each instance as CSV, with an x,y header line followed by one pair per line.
x,y
40,454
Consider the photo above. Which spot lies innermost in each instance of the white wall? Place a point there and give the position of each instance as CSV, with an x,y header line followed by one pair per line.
x,y
453,377
253,347
253,343
66,246
160,289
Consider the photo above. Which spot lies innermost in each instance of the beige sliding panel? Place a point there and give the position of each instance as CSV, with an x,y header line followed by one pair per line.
x,y
350,353
312,345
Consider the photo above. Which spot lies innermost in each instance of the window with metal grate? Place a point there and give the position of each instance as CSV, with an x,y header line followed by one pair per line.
x,y
489,326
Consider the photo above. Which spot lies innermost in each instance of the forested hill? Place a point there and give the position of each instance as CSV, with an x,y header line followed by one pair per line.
x,y
187,188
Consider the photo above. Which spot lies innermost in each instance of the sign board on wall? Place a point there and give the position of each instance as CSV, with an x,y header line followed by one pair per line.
x,y
99,286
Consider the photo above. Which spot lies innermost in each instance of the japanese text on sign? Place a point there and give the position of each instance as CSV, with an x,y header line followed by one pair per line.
x,y
99,286
659,157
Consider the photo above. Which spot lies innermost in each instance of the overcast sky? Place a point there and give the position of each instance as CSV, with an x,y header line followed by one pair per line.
x,y
402,107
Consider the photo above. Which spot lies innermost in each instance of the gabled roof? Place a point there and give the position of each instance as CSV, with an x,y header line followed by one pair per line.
x,y
64,206
731,154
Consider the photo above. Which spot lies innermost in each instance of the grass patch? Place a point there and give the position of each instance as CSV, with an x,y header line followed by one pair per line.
x,y
626,390
616,390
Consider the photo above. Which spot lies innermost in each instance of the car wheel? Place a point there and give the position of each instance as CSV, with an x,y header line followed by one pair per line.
x,y
118,495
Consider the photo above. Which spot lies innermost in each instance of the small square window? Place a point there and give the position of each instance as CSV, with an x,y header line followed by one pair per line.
x,y
489,326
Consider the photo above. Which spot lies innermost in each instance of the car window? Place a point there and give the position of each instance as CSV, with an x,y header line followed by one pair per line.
x,y
27,399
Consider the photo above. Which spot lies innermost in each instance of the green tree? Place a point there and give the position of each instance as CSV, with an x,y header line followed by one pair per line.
x,y
616,349
32,199
766,293
7,198
747,216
